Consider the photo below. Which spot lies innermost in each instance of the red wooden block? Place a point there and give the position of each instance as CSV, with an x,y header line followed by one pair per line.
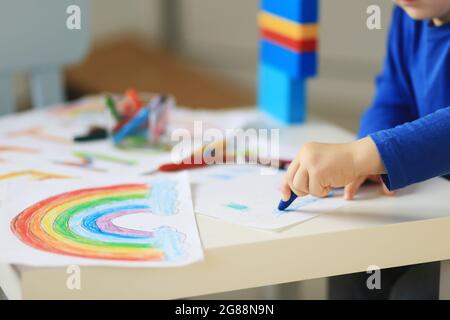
x,y
294,45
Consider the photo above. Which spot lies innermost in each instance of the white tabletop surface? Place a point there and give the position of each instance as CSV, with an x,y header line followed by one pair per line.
x,y
411,227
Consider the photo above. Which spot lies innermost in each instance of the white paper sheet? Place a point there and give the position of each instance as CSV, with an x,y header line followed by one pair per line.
x,y
115,222
43,141
249,195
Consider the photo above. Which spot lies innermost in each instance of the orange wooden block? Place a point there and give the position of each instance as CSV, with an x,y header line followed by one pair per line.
x,y
287,28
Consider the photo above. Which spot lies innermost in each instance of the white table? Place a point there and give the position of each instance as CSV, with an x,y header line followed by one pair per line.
x,y
413,227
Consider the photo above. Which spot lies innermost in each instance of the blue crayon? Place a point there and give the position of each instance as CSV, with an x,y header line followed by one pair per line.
x,y
285,204
133,124
139,119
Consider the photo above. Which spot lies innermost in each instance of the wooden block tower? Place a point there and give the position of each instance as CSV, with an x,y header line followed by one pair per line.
x,y
288,56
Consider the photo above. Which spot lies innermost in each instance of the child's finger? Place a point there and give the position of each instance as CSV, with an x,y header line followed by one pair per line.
x,y
386,191
353,187
289,177
292,169
287,181
316,189
300,183
285,191
375,178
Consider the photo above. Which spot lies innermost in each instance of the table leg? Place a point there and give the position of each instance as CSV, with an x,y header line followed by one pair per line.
x,y
9,283
444,281
2,295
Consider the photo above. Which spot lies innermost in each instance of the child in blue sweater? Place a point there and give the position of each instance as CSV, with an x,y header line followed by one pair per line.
x,y
404,138
405,134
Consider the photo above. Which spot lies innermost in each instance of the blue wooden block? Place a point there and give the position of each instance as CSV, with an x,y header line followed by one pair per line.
x,y
295,64
281,96
304,11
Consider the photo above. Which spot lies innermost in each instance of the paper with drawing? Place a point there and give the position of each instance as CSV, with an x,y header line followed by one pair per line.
x,y
249,195
127,222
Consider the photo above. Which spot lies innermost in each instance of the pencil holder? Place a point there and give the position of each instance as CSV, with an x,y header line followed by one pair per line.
x,y
140,120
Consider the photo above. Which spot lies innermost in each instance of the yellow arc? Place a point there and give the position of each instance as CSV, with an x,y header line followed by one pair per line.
x,y
288,28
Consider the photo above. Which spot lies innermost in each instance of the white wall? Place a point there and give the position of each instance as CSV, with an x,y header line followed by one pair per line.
x,y
222,36
350,57
110,18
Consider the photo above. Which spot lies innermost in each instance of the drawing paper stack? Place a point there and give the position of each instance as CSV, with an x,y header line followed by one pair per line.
x,y
64,203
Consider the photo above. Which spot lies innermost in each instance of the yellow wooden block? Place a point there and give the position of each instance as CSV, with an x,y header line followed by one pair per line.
x,y
288,28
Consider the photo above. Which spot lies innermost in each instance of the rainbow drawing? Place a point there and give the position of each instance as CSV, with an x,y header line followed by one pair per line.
x,y
39,134
17,149
33,174
81,223
81,164
91,156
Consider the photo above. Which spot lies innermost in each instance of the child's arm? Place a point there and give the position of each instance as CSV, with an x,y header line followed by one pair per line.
x,y
415,151
406,154
393,102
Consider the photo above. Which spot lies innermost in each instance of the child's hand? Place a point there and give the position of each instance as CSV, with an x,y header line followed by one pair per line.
x,y
352,188
318,167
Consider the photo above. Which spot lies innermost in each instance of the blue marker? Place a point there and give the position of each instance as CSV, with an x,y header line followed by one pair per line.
x,y
139,119
285,204
134,123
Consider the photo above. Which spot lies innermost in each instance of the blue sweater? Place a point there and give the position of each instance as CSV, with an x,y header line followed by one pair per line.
x,y
409,119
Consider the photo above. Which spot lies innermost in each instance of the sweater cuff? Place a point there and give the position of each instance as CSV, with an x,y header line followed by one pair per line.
x,y
395,177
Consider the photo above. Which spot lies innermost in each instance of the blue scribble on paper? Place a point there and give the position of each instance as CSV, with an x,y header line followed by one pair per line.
x,y
220,176
302,202
171,242
163,197
237,207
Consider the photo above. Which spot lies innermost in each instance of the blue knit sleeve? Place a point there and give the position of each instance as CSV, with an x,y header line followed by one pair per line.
x,y
415,151
393,103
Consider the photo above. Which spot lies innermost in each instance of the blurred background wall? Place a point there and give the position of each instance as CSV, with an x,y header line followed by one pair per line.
x,y
216,42
350,54
113,18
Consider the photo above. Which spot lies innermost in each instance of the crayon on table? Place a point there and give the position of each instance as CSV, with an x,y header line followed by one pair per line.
x,y
138,119
95,133
133,95
112,108
187,164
